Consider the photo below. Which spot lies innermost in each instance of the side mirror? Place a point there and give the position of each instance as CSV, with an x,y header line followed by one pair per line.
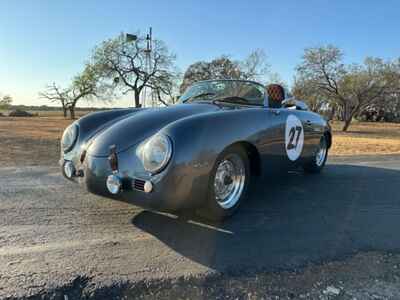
x,y
294,104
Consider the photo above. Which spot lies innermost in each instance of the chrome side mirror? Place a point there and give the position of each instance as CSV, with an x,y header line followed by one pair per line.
x,y
292,103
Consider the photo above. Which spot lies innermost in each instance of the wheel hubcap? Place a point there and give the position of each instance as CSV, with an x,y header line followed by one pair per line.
x,y
321,153
229,181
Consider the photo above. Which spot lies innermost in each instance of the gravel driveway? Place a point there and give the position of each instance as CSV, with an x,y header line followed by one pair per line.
x,y
57,240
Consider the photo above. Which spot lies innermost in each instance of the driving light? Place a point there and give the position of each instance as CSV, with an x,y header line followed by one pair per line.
x,y
69,169
69,138
155,153
148,187
113,184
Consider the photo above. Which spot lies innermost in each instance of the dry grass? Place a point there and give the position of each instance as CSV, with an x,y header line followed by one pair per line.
x,y
364,138
48,113
35,141
32,141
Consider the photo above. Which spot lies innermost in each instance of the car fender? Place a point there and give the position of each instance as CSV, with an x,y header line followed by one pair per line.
x,y
93,123
198,140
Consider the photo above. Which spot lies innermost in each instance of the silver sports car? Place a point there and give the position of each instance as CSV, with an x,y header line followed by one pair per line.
x,y
199,154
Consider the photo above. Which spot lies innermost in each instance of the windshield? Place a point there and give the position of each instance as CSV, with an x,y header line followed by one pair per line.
x,y
242,92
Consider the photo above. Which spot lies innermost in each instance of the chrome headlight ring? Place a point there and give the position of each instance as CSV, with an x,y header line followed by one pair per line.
x,y
155,153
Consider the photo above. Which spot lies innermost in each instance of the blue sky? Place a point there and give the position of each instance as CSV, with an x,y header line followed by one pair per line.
x,y
46,41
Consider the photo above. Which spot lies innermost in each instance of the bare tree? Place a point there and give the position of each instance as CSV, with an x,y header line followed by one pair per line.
x,y
368,84
351,88
55,93
164,87
307,92
85,85
255,66
125,63
387,110
219,68
252,68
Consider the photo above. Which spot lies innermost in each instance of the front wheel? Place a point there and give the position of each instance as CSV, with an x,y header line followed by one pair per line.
x,y
317,163
228,184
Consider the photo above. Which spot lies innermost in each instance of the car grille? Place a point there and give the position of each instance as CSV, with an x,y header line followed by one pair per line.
x,y
138,184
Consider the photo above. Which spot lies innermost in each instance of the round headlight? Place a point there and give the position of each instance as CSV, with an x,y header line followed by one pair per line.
x,y
69,138
155,153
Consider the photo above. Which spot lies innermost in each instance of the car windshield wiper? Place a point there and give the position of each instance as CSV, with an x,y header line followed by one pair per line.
x,y
199,96
235,100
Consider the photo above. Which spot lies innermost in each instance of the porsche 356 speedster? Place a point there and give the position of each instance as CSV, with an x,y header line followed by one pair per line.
x,y
199,154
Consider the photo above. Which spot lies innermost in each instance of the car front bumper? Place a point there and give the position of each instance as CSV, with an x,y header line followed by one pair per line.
x,y
179,186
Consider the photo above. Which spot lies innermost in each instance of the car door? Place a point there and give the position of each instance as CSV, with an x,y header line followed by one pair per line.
x,y
272,147
306,150
287,140
296,132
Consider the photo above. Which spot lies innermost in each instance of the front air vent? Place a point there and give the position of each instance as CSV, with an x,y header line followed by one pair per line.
x,y
138,184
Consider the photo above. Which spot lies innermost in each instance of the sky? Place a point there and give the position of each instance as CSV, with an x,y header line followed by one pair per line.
x,y
45,41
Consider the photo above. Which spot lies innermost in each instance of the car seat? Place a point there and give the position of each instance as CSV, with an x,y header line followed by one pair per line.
x,y
276,94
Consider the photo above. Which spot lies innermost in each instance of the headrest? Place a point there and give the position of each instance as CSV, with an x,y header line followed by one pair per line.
x,y
276,94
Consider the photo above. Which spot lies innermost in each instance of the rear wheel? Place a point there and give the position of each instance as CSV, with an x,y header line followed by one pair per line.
x,y
228,184
317,163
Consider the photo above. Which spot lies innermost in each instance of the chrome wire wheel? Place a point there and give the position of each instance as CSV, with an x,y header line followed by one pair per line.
x,y
229,181
321,153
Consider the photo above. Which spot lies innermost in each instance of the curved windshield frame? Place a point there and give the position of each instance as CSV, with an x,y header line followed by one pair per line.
x,y
232,91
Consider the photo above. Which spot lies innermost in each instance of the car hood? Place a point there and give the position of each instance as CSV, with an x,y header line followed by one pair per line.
x,y
140,125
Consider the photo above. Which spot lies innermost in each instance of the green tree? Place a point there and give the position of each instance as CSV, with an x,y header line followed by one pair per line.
x,y
6,101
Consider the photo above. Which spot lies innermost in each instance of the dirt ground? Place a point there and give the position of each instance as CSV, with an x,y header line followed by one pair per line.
x,y
363,276
35,141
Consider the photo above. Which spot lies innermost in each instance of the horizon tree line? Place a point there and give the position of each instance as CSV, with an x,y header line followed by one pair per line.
x,y
118,66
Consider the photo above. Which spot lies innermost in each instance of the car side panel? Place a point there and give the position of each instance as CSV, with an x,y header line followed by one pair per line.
x,y
314,127
309,140
201,138
272,149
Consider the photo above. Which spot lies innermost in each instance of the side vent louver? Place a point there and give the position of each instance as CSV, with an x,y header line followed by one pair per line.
x,y
138,184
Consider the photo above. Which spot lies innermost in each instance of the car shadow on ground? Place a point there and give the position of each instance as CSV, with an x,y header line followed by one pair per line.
x,y
291,221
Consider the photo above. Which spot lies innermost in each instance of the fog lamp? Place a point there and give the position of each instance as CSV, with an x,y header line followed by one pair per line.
x,y
113,184
148,187
69,169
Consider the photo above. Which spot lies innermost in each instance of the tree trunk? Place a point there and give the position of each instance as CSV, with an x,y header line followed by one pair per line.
x,y
332,113
72,112
64,111
349,117
137,99
347,123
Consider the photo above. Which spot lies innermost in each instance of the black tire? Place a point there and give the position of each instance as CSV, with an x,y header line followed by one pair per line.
x,y
213,209
316,164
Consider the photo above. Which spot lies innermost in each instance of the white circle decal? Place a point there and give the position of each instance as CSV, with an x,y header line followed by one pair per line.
x,y
294,137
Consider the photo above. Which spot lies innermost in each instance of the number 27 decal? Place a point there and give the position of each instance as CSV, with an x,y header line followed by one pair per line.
x,y
294,135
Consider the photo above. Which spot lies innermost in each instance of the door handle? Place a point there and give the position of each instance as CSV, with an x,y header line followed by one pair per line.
x,y
308,123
